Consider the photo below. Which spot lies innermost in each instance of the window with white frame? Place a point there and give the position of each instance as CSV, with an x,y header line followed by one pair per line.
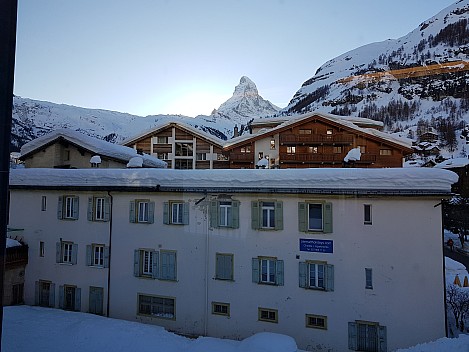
x,y
224,266
367,336
176,213
291,150
155,264
385,152
268,315
201,156
99,208
367,214
219,308
272,143
184,149
267,215
267,270
161,140
315,216
369,278
316,275
224,213
66,252
142,211
97,255
316,321
157,306
67,208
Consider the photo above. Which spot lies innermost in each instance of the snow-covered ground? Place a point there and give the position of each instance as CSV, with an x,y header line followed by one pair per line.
x,y
35,329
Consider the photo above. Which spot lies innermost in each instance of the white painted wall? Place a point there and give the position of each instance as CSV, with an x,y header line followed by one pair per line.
x,y
402,246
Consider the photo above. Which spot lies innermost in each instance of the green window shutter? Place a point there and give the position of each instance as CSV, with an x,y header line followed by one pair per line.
x,y
228,272
36,293
60,208
255,270
352,336
75,208
219,266
78,299
151,212
132,214
137,271
74,253
89,258
383,345
61,297
173,266
213,213
58,252
52,295
168,265
107,208
329,277
279,277
235,214
155,272
166,213
185,213
278,215
89,213
327,217
106,256
303,269
224,267
255,215
302,217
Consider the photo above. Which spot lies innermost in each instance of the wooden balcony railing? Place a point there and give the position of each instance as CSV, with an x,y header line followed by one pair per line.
x,y
316,139
241,157
16,256
324,158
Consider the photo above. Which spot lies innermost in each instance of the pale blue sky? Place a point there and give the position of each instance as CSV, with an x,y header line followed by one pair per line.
x,y
186,56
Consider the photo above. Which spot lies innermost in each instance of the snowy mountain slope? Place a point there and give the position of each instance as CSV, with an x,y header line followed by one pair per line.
x,y
32,118
399,81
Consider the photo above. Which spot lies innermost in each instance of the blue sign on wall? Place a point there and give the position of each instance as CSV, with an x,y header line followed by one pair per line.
x,y
312,245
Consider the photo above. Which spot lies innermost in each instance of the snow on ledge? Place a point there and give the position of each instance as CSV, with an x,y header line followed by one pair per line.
x,y
417,180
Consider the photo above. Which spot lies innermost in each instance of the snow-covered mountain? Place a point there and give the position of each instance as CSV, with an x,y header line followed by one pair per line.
x,y
32,118
419,80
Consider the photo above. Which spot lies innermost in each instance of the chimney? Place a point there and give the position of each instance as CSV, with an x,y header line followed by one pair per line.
x,y
236,131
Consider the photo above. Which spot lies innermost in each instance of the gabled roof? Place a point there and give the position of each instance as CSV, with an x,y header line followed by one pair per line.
x,y
279,120
185,127
339,121
92,145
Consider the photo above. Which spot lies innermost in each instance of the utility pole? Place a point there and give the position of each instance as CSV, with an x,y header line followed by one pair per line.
x,y
8,14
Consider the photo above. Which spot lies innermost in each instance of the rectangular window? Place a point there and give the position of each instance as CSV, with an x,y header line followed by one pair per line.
x,y
161,140
70,298
268,215
147,262
369,278
224,213
157,306
291,150
313,150
41,248
385,152
142,211
201,156
329,131
261,155
99,209
316,321
367,336
183,164
98,255
43,203
224,266
45,293
177,213
315,216
68,207
272,144
267,270
367,214
337,149
66,252
268,315
162,156
184,149
219,308
246,149
362,149
305,131
153,264
316,275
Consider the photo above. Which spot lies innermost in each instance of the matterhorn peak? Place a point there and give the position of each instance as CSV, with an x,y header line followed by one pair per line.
x,y
246,88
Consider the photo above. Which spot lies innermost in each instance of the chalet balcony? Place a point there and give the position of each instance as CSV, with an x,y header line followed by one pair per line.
x,y
339,139
323,158
241,157
16,256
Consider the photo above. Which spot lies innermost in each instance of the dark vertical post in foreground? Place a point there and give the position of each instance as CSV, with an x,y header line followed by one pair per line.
x,y
8,14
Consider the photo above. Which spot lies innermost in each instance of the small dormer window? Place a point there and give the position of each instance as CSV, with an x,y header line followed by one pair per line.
x,y
95,161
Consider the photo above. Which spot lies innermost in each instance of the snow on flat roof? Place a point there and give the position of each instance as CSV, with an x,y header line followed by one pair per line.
x,y
451,163
97,146
418,180
12,243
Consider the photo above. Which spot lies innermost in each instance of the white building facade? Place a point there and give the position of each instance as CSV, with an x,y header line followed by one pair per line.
x,y
339,259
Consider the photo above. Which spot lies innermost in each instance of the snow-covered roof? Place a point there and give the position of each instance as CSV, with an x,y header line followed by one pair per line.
x,y
94,145
318,180
12,243
343,120
453,163
181,125
279,120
